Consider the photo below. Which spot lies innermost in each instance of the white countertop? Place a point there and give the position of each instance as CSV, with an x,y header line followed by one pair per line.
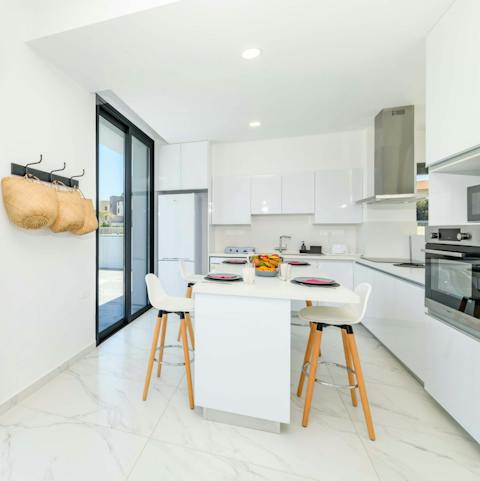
x,y
275,288
294,255
415,275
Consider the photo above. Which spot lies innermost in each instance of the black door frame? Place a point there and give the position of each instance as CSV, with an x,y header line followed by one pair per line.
x,y
105,110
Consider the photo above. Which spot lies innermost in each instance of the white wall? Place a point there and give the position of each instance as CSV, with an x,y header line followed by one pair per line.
x,y
47,281
386,228
282,156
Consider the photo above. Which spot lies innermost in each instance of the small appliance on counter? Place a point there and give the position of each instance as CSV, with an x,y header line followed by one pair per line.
x,y
303,248
238,250
315,250
339,249
452,276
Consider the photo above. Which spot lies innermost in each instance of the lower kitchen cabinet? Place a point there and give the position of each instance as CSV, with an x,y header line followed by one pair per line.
x,y
396,317
451,375
340,270
217,264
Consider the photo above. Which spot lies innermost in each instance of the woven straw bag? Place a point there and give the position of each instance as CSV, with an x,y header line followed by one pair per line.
x,y
29,203
70,211
90,219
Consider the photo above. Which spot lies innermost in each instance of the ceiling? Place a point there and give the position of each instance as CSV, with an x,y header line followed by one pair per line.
x,y
326,65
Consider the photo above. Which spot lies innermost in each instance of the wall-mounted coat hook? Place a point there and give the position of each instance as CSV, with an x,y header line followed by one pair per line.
x,y
26,170
33,163
57,170
76,177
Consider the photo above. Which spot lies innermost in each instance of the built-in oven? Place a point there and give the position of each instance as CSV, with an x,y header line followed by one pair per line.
x,y
452,276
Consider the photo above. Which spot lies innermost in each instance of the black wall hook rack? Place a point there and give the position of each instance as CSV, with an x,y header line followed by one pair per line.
x,y
23,170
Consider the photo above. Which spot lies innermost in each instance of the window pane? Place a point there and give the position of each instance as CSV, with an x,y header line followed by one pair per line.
x,y
140,222
111,182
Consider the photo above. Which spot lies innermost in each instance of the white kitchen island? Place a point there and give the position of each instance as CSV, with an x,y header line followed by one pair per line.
x,y
242,348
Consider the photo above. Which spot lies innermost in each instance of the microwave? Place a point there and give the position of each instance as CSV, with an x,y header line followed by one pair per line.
x,y
473,203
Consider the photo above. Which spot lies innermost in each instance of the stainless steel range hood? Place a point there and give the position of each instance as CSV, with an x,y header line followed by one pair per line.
x,y
394,166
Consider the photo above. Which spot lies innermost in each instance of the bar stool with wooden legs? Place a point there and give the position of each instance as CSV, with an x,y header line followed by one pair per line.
x,y
343,318
190,280
166,305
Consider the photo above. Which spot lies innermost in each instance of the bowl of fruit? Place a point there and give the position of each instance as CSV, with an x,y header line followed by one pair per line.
x,y
266,265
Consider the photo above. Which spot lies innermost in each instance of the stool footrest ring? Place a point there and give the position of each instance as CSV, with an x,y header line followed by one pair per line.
x,y
175,346
306,371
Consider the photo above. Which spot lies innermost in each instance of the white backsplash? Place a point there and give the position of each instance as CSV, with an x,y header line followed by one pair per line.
x,y
265,230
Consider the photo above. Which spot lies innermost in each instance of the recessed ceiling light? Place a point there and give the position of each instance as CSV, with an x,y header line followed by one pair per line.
x,y
255,123
251,53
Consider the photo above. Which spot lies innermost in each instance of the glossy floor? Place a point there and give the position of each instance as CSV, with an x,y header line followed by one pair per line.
x,y
89,423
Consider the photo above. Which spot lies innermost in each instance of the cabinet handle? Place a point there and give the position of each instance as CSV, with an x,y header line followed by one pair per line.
x,y
460,255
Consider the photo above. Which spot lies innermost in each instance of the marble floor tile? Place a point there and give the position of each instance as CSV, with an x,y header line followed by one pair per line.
x,y
402,454
397,407
104,400
166,462
36,446
302,451
129,363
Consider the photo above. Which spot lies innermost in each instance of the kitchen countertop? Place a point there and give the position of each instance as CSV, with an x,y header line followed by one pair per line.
x,y
414,275
294,255
275,288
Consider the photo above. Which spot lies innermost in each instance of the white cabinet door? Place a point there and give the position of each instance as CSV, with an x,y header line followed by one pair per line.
x,y
168,169
341,271
335,193
218,264
451,375
266,194
453,82
231,200
298,193
194,165
402,326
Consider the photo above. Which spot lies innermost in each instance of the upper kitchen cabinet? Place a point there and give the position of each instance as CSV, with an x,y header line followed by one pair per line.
x,y
194,161
231,200
335,194
183,166
453,82
298,193
266,194
168,168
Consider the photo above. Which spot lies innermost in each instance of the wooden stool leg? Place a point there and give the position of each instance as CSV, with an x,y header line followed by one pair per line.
x,y
191,334
188,294
306,358
348,363
156,333
186,355
162,344
361,384
317,339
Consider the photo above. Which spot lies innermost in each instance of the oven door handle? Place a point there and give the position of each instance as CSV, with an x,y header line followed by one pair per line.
x,y
459,255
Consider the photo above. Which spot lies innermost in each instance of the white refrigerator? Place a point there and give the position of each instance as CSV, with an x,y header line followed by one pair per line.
x,y
182,235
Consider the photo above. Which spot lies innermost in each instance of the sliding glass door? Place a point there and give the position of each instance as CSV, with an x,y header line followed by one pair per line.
x,y
125,213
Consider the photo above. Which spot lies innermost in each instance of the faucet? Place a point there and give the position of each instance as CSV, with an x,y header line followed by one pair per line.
x,y
281,248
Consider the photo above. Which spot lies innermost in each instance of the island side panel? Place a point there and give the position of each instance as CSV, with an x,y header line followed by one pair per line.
x,y
242,355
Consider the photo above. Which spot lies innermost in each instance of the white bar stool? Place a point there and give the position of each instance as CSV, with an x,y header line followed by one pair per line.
x,y
343,318
190,280
168,305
